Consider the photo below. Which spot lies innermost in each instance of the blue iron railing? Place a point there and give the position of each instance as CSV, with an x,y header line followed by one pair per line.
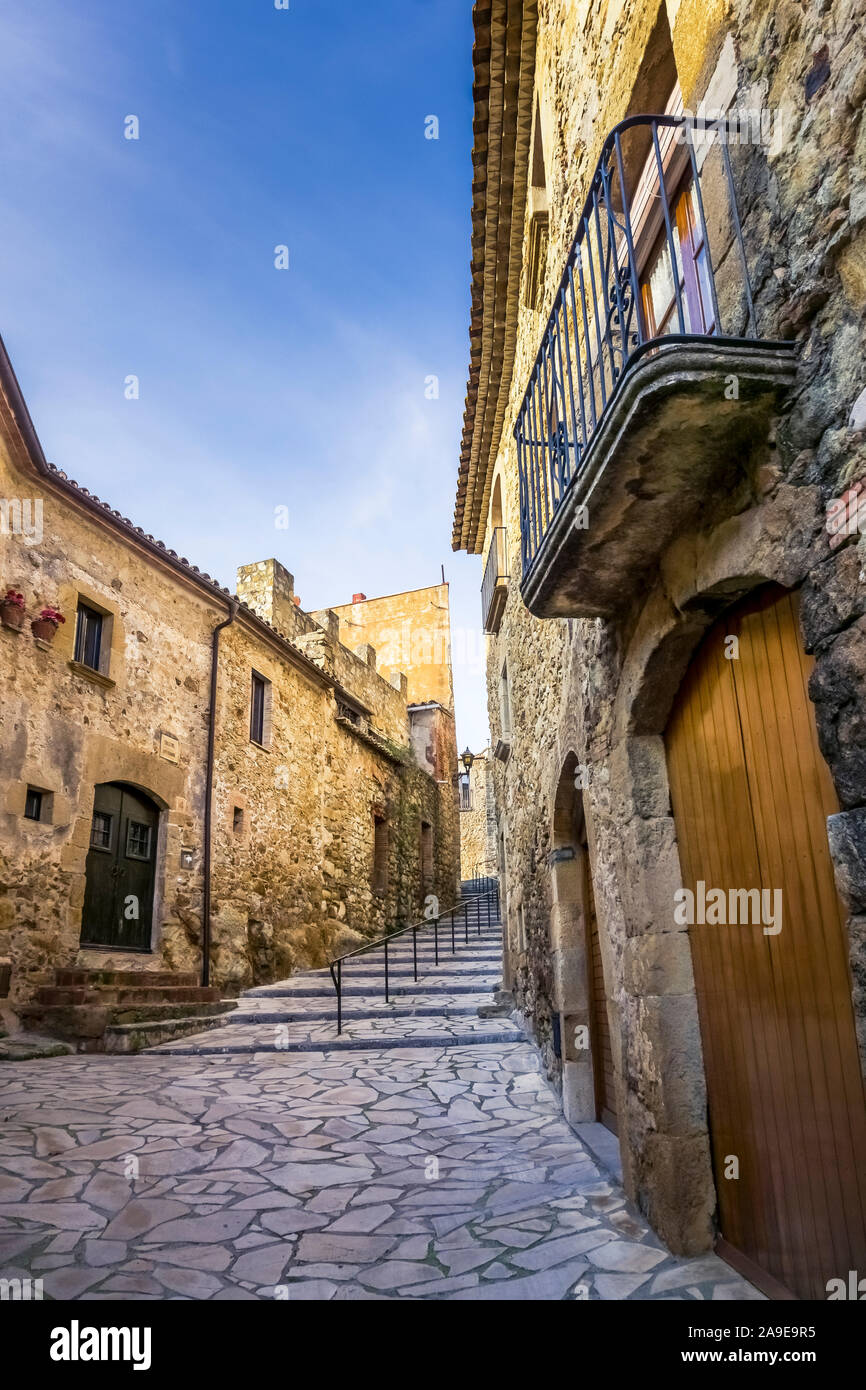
x,y
643,229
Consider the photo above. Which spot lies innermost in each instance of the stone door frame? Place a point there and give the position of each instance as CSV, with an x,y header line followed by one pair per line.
x,y
663,1121
162,809
570,864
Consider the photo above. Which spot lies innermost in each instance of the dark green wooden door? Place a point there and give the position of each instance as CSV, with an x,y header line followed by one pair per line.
x,y
118,896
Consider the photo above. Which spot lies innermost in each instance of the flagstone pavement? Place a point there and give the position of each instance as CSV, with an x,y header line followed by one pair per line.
x,y
419,1154
429,1172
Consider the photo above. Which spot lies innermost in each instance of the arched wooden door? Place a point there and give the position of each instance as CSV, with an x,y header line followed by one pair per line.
x,y
120,869
751,795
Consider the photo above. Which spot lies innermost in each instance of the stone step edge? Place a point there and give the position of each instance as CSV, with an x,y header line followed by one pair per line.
x,y
400,970
359,991
428,953
156,1013
343,1044
122,1038
131,979
329,1016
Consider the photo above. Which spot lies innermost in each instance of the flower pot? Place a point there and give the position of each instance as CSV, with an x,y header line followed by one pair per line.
x,y
11,615
44,629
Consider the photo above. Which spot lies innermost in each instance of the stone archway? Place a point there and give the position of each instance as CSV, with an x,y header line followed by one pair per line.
x,y
580,996
666,1142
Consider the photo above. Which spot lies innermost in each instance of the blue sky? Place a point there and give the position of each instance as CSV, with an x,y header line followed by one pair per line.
x,y
259,388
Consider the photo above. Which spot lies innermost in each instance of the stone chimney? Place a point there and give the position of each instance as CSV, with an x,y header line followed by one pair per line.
x,y
359,598
269,589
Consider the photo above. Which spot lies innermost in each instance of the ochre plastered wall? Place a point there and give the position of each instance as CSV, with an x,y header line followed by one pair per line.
x,y
409,632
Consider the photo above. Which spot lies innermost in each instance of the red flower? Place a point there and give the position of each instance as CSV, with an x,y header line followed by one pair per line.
x,y
52,615
13,597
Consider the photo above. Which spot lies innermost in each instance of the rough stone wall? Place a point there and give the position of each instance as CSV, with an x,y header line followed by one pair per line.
x,y
574,684
292,879
63,731
295,886
478,824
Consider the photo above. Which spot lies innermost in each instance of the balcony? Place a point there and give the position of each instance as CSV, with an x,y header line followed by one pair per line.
x,y
494,588
651,384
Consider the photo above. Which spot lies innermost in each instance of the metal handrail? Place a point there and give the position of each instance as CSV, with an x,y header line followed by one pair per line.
x,y
336,966
598,325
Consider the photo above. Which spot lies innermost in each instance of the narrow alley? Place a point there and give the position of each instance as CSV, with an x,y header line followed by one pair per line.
x,y
421,1154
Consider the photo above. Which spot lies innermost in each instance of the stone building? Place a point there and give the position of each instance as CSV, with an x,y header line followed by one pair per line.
x,y
171,745
663,452
476,799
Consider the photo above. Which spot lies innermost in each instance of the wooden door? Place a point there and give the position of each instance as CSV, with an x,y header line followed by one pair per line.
x,y
120,870
751,795
602,1052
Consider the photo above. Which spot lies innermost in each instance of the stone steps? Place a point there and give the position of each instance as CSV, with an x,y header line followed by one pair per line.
x,y
451,963
427,957
136,1037
284,1009
122,1010
86,1023
448,1005
322,988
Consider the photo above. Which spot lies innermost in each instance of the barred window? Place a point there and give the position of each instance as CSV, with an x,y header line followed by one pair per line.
x,y
138,840
100,830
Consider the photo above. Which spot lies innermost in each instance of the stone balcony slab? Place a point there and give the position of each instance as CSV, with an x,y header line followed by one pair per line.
x,y
669,449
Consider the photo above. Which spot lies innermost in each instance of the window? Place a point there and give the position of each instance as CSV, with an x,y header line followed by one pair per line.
x,y
380,854
100,831
238,820
504,701
538,218
465,792
258,709
426,856
33,804
660,279
658,288
137,840
88,637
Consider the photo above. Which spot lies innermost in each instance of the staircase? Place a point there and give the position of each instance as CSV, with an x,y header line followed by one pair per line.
x,y
453,1002
122,1010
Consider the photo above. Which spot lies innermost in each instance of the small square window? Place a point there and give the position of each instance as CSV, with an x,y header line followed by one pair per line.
x,y
33,804
100,830
137,840
88,637
238,820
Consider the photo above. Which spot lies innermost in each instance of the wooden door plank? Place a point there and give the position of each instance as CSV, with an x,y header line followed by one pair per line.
x,y
751,794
